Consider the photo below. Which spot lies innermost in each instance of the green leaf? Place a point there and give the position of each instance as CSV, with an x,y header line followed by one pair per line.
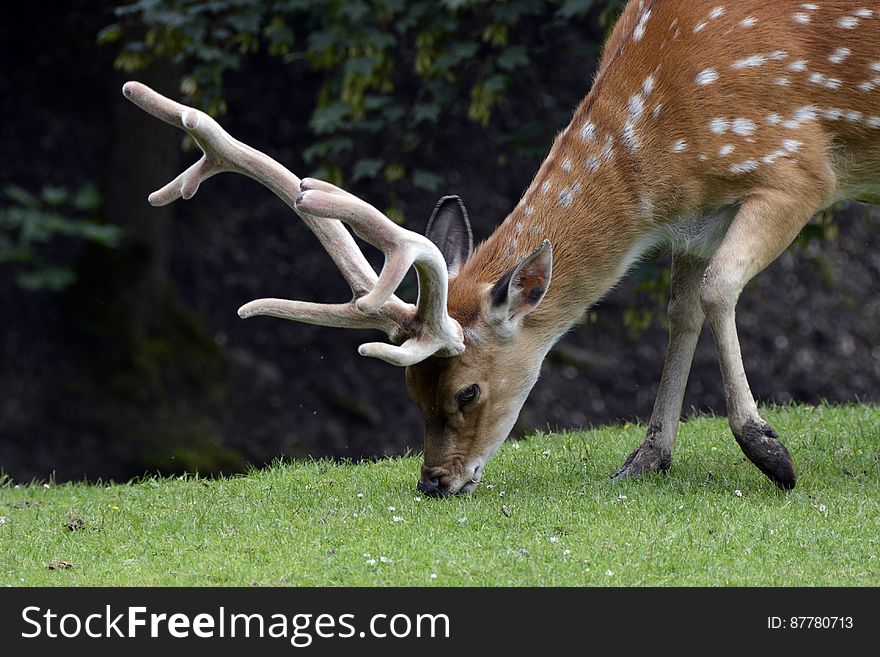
x,y
48,278
368,168
513,57
573,8
426,180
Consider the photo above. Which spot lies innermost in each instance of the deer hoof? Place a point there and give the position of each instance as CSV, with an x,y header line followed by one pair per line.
x,y
646,458
761,445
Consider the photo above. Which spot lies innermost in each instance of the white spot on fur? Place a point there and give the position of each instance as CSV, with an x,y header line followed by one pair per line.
x,y
751,61
749,21
775,155
866,86
791,145
706,76
833,114
530,210
719,126
702,158
774,119
629,137
777,55
873,121
588,132
853,117
545,188
636,106
743,127
639,31
608,148
592,164
824,80
717,12
863,13
680,146
726,150
874,66
743,167
656,111
848,22
810,6
648,85
781,81
567,194
700,27
566,165
839,55
798,66
806,113
801,17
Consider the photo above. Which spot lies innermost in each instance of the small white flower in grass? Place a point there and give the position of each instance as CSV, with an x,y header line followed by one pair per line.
x,y
385,560
681,507
462,520
546,452
367,555
391,508
554,539
822,508
397,519
46,486
515,446
622,498
433,575
501,494
360,496
371,562
609,573
738,492
4,520
418,498
566,553
489,486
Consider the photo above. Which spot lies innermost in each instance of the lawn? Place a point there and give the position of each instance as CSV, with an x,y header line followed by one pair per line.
x,y
547,514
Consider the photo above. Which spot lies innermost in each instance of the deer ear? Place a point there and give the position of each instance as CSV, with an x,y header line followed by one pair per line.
x,y
450,231
521,289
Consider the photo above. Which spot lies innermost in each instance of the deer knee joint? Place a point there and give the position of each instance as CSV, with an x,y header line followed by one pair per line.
x,y
718,292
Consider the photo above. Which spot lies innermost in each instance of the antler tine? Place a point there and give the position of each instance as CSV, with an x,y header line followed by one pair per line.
x,y
224,153
403,249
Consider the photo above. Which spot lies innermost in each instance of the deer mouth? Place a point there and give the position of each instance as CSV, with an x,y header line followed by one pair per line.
x,y
455,485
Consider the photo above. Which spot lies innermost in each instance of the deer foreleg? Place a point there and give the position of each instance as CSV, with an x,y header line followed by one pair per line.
x,y
685,321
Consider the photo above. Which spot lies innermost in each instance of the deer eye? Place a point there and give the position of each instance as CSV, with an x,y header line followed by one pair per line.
x,y
467,396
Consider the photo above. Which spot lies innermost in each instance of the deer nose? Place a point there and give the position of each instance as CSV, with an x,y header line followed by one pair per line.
x,y
430,486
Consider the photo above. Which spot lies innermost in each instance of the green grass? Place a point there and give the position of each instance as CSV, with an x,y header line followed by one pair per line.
x,y
304,523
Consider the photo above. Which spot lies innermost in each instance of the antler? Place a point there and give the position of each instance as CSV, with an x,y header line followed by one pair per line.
x,y
425,329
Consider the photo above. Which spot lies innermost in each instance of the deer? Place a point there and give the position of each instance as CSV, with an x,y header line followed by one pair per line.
x,y
716,129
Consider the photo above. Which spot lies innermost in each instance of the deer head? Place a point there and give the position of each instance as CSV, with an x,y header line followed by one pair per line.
x,y
471,401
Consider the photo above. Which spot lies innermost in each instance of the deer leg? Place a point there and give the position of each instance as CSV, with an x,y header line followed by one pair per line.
x,y
685,321
764,226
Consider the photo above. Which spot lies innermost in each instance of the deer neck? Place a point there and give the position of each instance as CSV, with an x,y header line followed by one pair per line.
x,y
591,199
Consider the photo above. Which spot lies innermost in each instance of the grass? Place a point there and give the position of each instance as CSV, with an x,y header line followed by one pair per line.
x,y
547,515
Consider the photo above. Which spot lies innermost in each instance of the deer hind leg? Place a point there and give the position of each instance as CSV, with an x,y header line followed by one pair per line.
x,y
685,321
765,225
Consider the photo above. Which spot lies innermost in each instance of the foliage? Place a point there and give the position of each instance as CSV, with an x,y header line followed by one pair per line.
x,y
547,514
36,230
390,70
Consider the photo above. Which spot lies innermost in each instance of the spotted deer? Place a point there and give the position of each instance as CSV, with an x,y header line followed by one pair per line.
x,y
716,128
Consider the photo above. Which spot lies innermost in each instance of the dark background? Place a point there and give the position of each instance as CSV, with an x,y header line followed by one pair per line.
x,y
138,363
